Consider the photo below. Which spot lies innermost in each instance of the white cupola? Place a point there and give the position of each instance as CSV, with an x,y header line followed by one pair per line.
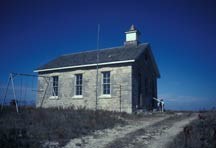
x,y
132,36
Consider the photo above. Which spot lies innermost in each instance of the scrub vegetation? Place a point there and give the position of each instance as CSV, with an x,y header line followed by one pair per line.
x,y
34,127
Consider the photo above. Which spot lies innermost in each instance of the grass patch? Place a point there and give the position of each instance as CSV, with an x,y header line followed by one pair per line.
x,y
33,127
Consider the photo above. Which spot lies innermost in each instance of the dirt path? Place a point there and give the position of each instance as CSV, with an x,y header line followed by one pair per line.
x,y
148,133
102,138
169,134
156,135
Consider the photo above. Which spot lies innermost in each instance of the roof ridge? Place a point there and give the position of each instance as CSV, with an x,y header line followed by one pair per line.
x,y
88,51
92,50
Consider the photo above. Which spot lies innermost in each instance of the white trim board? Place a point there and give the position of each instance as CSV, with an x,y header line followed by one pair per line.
x,y
87,65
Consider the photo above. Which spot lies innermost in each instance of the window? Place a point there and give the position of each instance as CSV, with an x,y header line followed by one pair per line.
x,y
146,85
55,86
78,85
106,83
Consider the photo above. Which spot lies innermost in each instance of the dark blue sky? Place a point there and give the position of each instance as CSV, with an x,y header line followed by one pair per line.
x,y
182,35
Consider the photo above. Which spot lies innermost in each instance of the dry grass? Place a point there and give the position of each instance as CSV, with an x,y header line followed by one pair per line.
x,y
201,133
32,127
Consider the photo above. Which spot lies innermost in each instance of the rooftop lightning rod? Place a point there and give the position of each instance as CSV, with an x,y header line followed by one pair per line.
x,y
98,39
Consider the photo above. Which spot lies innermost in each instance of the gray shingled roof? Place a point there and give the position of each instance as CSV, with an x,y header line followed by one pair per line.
x,y
90,57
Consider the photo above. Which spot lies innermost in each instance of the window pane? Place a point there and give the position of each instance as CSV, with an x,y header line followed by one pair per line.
x,y
108,80
78,90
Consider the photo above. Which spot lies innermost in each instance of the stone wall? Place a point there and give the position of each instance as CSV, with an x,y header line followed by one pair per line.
x,y
119,100
142,71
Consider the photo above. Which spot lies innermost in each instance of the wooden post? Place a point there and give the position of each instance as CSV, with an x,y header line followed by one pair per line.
x,y
120,101
97,67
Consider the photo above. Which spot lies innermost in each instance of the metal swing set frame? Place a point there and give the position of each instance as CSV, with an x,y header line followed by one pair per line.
x,y
11,81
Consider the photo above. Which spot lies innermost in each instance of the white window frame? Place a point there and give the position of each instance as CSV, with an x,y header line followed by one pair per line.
x,y
55,86
106,83
78,83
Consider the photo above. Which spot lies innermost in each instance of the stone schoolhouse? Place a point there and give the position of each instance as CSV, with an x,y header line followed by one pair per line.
x,y
118,78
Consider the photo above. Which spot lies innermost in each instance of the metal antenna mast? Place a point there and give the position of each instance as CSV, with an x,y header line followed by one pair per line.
x,y
98,39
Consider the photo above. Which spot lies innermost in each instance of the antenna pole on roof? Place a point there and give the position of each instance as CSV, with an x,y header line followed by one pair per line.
x,y
98,39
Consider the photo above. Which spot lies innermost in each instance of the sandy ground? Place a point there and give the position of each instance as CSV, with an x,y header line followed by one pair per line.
x,y
153,132
100,139
157,135
169,133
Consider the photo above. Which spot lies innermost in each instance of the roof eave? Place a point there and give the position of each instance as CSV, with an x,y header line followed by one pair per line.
x,y
81,66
